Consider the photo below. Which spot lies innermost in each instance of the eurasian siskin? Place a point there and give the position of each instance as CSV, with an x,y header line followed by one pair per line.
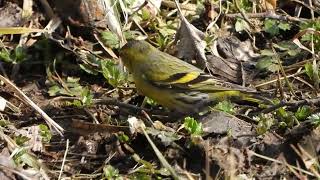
x,y
176,84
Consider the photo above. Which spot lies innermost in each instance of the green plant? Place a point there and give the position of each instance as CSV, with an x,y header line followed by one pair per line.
x,y
265,121
287,117
225,106
20,139
113,73
285,50
273,27
14,56
151,102
110,39
193,126
69,87
45,133
109,172
302,113
315,118
308,37
312,72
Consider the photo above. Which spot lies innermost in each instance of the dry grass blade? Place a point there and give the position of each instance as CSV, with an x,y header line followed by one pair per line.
x,y
161,158
19,30
280,162
26,157
50,121
64,158
5,168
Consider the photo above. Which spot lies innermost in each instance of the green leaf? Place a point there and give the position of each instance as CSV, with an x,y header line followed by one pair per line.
x,y
45,133
289,47
70,88
89,69
265,121
193,126
308,37
109,172
20,54
266,52
286,116
225,106
72,80
111,39
284,26
293,52
112,72
4,123
123,137
145,14
165,31
271,27
17,55
86,97
241,25
309,70
20,140
151,102
303,112
268,63
54,90
5,56
315,118
245,5
285,45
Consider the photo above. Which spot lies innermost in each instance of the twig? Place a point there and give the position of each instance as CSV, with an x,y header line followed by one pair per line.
x,y
11,106
5,168
315,101
64,159
160,156
187,7
115,102
112,101
95,120
281,78
20,94
267,15
280,162
244,16
282,70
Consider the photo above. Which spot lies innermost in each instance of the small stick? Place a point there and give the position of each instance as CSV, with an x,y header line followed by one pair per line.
x,y
20,94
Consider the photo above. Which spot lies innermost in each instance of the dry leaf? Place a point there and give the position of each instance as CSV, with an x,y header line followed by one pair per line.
x,y
232,47
10,15
112,17
222,123
191,43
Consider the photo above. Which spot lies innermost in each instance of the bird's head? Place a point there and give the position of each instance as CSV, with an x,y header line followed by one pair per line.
x,y
134,53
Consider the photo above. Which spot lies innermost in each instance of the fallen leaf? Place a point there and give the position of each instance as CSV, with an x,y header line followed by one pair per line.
x,y
10,15
232,47
191,44
222,123
112,17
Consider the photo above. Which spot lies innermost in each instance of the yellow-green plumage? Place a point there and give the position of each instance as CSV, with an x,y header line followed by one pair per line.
x,y
177,84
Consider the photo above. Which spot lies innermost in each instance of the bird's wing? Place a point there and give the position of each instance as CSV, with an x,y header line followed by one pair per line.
x,y
184,76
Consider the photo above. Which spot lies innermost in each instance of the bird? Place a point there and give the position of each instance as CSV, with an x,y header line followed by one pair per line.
x,y
176,84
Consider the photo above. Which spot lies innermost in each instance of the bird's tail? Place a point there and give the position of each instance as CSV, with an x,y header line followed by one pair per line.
x,y
240,97
254,97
